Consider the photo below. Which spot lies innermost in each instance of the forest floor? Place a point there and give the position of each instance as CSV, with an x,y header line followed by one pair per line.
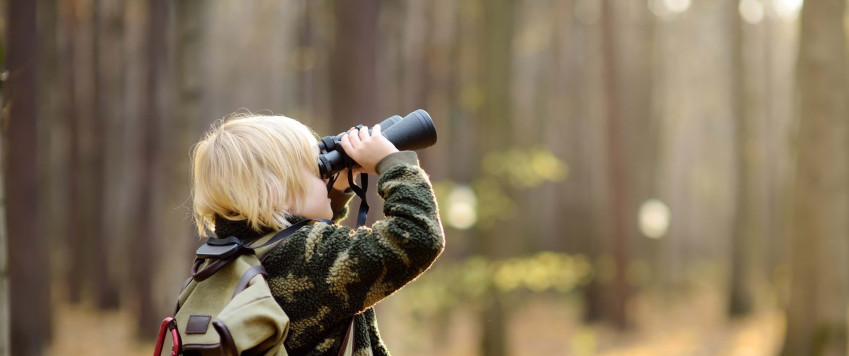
x,y
544,325
694,325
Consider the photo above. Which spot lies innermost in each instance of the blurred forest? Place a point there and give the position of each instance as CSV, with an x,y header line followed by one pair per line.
x,y
631,177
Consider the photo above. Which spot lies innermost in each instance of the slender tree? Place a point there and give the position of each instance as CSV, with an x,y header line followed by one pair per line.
x,y
353,73
179,133
582,203
88,147
28,262
144,243
72,214
495,135
108,91
816,316
636,80
51,152
741,294
4,253
617,172
354,64
307,44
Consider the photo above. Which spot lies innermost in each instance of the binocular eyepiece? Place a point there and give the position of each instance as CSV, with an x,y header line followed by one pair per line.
x,y
412,132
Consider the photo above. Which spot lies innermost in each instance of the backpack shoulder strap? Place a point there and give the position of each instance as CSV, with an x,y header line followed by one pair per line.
x,y
247,277
264,245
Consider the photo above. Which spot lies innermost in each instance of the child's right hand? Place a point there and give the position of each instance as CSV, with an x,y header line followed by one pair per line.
x,y
367,149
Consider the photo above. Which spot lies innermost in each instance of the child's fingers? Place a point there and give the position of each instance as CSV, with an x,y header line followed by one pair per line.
x,y
375,131
364,133
354,137
346,143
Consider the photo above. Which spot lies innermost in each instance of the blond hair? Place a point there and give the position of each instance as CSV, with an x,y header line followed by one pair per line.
x,y
250,167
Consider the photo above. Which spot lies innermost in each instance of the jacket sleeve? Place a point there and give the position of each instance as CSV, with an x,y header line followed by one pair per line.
x,y
365,265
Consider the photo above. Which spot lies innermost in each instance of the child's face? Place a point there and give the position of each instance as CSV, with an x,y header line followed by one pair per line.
x,y
316,203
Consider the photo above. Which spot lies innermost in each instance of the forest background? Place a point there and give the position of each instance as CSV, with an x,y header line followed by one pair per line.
x,y
632,177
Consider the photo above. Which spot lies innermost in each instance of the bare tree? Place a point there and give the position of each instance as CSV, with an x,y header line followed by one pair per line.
x,y
75,271
582,202
354,65
816,316
4,254
144,242
617,171
28,262
180,131
495,135
353,72
108,74
740,291
51,128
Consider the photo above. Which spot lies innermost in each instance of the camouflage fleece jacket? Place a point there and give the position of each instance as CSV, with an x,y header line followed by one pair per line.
x,y
323,274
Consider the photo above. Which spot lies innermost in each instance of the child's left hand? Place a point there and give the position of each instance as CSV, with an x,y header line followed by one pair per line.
x,y
367,149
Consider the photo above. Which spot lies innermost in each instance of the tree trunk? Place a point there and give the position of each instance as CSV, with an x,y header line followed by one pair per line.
x,y
179,135
108,69
495,135
816,316
636,97
581,205
617,171
144,244
73,215
354,64
28,262
4,255
740,292
51,127
353,76
307,95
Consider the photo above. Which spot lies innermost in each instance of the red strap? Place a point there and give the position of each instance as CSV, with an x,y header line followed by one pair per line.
x,y
168,324
161,339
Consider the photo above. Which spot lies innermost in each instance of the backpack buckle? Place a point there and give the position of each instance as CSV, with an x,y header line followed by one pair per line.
x,y
220,248
219,252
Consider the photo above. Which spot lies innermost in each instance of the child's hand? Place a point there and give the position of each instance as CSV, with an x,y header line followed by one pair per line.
x,y
367,150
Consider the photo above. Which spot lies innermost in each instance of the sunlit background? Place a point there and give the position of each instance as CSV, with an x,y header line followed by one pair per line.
x,y
632,177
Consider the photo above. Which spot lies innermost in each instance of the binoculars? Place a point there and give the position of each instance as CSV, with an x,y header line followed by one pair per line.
x,y
412,132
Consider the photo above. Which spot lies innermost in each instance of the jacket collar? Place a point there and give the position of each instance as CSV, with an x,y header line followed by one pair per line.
x,y
240,228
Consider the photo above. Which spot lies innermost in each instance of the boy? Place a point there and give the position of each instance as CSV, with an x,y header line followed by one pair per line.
x,y
257,175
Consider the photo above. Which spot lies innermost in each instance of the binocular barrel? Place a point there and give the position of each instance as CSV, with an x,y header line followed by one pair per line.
x,y
412,132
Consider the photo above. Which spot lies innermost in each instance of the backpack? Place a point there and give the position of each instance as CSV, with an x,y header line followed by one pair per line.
x,y
224,309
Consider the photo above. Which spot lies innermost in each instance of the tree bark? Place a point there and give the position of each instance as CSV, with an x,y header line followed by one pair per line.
x,y
108,93
637,69
353,76
816,316
620,288
51,126
495,135
581,205
740,292
4,254
354,64
73,214
179,134
144,243
28,262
